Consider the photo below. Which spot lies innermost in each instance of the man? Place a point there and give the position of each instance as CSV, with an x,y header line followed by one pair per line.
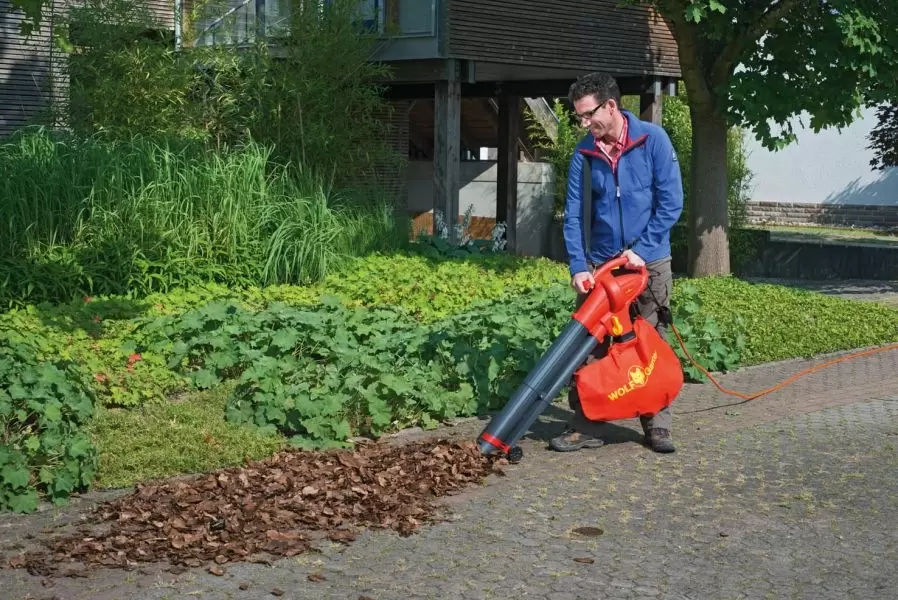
x,y
636,197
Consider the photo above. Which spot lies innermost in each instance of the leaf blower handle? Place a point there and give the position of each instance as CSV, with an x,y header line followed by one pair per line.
x,y
614,263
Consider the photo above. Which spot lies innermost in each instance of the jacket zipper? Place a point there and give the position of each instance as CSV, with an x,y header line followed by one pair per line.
x,y
620,211
620,207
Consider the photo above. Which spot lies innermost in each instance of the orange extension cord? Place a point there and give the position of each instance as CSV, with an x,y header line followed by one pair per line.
x,y
782,384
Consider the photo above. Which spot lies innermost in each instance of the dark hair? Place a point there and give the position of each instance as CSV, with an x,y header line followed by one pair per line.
x,y
600,85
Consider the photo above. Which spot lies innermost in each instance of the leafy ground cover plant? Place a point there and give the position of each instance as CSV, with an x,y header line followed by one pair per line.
x,y
324,374
376,360
44,405
781,323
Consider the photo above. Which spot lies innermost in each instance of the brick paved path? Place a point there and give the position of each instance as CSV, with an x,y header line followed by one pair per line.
x,y
793,495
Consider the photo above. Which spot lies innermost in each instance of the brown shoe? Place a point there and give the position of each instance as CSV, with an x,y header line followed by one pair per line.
x,y
659,440
572,440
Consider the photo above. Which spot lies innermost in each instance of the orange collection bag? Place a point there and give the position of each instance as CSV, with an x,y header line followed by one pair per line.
x,y
640,376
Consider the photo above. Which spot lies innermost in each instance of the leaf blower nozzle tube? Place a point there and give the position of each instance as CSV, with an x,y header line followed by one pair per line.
x,y
604,311
534,394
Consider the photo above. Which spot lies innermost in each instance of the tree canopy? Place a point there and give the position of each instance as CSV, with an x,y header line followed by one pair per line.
x,y
763,65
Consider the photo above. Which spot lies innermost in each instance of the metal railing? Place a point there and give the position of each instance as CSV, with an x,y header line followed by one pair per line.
x,y
243,22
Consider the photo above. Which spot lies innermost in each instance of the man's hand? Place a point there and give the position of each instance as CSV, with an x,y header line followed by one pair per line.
x,y
634,261
583,282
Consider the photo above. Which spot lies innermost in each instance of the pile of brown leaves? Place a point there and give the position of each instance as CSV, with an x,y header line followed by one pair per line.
x,y
273,507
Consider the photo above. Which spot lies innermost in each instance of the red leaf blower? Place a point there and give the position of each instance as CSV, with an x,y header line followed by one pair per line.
x,y
639,375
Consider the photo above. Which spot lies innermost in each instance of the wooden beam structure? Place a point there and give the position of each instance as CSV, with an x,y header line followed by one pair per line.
x,y
651,102
507,177
447,150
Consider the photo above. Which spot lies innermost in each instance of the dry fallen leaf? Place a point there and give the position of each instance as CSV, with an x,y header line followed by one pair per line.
x,y
585,560
315,577
216,570
271,507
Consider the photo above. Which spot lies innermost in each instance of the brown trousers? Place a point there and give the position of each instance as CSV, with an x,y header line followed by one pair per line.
x,y
661,286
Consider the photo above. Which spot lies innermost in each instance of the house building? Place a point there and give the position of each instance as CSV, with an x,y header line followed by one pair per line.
x,y
463,72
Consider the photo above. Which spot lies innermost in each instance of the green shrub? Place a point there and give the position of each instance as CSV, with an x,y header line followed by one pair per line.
x,y
314,373
711,346
316,103
559,150
44,405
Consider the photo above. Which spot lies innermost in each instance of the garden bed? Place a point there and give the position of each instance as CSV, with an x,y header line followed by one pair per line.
x,y
191,381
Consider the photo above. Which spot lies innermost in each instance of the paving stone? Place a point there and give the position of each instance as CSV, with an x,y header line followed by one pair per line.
x,y
789,496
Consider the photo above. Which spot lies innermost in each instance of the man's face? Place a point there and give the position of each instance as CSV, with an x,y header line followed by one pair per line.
x,y
595,114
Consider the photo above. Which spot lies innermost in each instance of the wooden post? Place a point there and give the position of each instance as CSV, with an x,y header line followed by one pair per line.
x,y
447,148
650,103
507,177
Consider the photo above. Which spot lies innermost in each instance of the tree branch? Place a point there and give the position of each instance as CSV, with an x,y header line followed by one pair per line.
x,y
690,51
754,28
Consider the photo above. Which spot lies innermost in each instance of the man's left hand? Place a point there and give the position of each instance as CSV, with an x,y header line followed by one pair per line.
x,y
634,261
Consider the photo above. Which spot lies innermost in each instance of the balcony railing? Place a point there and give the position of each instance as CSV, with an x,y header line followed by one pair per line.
x,y
243,22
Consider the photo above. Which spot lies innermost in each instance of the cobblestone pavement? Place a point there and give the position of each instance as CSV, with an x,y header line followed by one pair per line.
x,y
793,495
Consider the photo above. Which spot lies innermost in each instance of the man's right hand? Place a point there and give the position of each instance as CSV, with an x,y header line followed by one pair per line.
x,y
583,282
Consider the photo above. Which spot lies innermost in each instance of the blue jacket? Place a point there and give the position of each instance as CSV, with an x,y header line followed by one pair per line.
x,y
634,208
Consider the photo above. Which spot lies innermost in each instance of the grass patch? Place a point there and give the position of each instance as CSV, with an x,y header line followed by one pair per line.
x,y
86,216
783,323
849,233
162,440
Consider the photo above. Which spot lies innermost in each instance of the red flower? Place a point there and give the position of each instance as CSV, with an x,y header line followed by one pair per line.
x,y
100,377
88,299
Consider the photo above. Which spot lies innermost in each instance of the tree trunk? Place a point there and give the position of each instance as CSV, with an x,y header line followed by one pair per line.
x,y
709,252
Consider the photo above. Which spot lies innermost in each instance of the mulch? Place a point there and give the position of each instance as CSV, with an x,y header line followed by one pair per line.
x,y
276,507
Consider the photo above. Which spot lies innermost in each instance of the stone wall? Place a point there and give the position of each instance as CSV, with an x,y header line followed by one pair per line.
x,y
884,216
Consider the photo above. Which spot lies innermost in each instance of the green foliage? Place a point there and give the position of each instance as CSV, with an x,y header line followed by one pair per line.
x,y
782,323
884,137
430,289
94,337
316,103
557,151
317,374
783,50
44,405
91,217
715,349
324,374
491,347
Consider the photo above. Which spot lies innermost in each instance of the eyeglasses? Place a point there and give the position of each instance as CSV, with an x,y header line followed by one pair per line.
x,y
588,114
